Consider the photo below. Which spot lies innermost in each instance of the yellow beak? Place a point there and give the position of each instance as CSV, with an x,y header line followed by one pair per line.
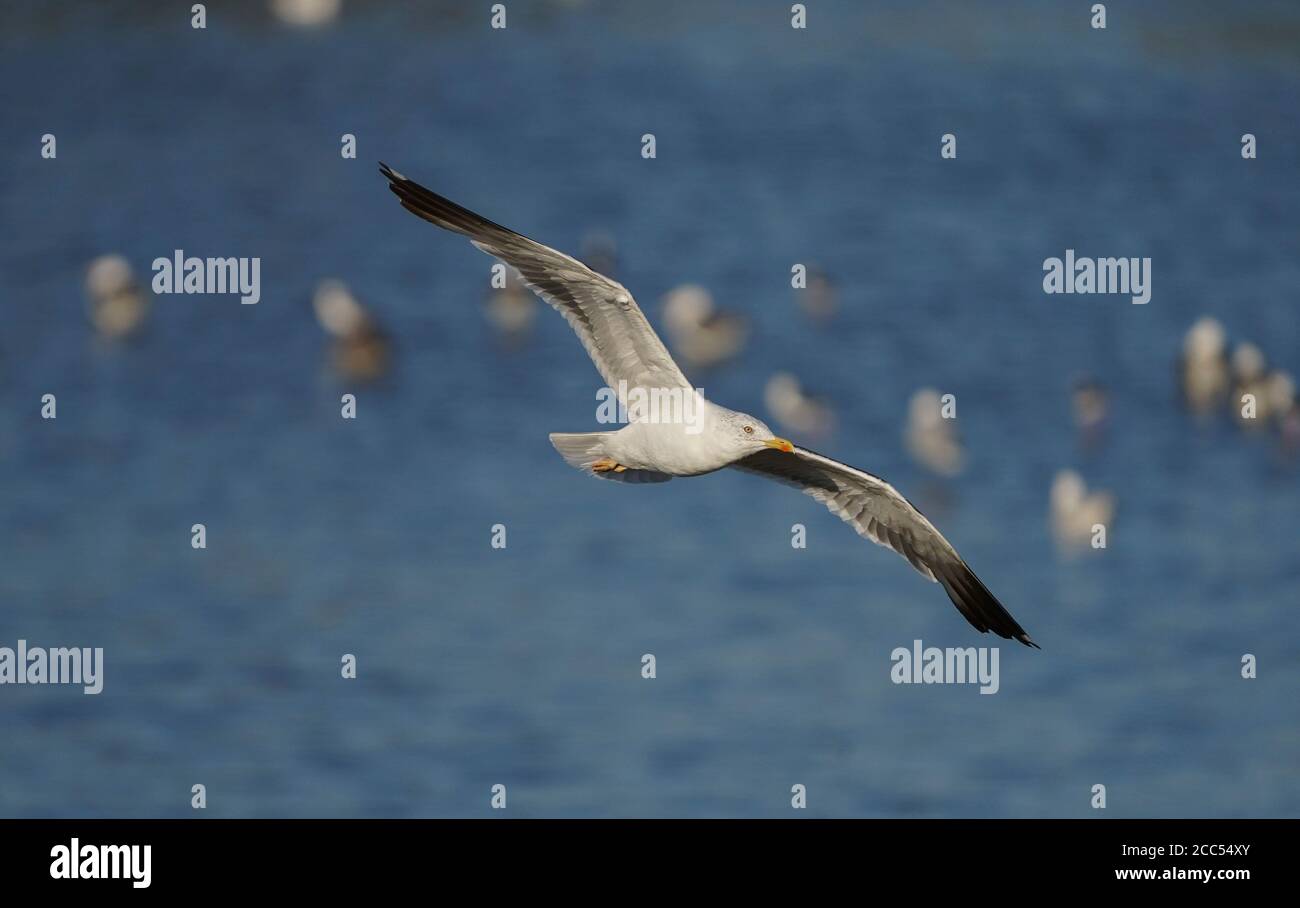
x,y
780,444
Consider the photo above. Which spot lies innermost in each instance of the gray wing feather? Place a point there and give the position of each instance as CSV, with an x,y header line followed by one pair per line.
x,y
878,512
611,326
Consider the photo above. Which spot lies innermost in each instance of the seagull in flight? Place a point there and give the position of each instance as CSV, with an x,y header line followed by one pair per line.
x,y
629,355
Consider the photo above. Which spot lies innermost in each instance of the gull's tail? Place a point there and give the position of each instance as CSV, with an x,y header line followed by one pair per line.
x,y
582,449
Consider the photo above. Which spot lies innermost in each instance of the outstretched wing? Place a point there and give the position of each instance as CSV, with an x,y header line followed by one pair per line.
x,y
607,320
878,512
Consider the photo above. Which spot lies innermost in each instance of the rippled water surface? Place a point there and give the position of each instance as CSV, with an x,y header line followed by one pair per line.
x,y
522,666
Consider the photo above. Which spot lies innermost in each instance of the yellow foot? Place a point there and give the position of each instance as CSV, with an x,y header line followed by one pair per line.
x,y
606,465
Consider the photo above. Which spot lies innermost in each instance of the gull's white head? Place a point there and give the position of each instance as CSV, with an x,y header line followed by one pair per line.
x,y
746,434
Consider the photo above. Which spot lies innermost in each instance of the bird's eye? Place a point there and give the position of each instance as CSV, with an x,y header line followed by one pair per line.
x,y
749,430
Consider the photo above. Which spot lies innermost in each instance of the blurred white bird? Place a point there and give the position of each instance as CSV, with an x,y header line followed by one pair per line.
x,y
794,410
511,309
1204,365
1090,404
306,13
1279,391
1248,377
361,349
820,299
600,253
930,438
701,334
1288,427
1074,511
117,304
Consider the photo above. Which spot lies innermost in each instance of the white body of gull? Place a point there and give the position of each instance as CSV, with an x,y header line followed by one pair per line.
x,y
628,354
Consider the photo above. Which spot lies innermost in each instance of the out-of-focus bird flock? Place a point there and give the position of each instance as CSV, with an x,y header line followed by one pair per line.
x,y
1214,376
1259,397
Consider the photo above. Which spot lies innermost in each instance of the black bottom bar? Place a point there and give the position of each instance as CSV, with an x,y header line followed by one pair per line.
x,y
333,857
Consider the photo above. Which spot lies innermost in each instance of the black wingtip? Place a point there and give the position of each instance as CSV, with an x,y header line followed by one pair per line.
x,y
441,211
980,607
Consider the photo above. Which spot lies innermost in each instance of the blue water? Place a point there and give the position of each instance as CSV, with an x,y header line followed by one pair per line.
x,y
522,666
